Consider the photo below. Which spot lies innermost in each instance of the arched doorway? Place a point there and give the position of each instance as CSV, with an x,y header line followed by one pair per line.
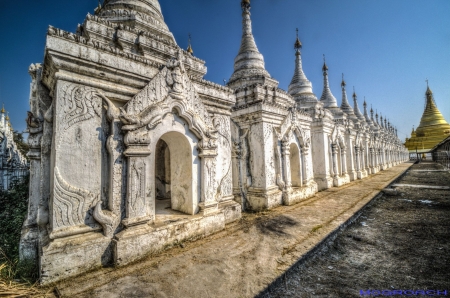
x,y
162,171
173,173
296,166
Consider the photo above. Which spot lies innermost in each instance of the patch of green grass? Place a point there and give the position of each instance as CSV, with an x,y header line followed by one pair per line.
x,y
316,228
14,203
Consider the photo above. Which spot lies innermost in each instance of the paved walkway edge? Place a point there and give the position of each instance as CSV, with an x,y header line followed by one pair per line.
x,y
322,246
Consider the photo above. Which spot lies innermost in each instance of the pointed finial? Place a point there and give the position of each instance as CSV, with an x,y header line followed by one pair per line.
x,y
3,109
365,104
354,93
7,117
429,92
189,49
298,44
245,4
325,67
343,84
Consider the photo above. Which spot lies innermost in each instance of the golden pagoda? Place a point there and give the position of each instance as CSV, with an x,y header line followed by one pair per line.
x,y
432,128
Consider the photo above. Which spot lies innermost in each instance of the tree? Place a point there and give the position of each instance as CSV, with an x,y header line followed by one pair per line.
x,y
22,145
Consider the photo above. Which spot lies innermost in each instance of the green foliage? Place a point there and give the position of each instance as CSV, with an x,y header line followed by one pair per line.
x,y
14,204
22,145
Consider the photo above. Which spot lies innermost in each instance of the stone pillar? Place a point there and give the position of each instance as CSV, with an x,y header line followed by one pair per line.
x,y
30,233
285,153
138,203
358,160
320,154
383,159
235,159
350,157
305,171
208,204
363,159
344,161
334,152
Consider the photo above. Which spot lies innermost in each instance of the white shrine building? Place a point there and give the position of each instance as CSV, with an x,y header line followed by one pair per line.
x,y
132,150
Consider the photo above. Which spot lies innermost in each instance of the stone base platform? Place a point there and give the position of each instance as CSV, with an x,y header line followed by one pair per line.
x,y
297,194
324,183
353,175
261,247
362,174
66,257
260,199
341,180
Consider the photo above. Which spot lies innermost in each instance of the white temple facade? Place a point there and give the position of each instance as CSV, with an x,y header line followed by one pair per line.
x,y
13,165
132,150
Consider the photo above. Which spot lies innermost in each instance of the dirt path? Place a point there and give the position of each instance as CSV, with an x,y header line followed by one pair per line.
x,y
401,242
242,260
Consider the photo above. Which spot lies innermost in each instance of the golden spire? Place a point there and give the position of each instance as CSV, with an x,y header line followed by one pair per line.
x,y
432,128
7,117
189,49
431,114
3,109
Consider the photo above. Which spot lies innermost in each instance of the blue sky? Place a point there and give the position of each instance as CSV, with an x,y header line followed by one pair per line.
x,y
385,48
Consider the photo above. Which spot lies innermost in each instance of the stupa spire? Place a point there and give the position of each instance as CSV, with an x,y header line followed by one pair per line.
x,y
345,106
356,108
328,99
299,83
366,114
249,62
189,48
431,114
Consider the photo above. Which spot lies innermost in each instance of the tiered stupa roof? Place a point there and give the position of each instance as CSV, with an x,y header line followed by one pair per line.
x,y
144,15
249,65
345,106
356,108
366,114
299,83
328,99
433,128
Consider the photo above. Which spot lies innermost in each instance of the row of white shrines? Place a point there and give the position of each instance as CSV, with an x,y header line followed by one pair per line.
x,y
132,150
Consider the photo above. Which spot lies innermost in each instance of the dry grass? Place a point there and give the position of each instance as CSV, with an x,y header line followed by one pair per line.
x,y
11,287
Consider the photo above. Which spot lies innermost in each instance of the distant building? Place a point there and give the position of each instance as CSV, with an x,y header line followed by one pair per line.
x,y
13,165
441,153
432,130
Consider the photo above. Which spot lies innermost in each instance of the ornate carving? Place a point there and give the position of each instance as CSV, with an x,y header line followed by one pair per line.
x,y
71,204
107,219
175,77
278,164
222,125
80,103
137,195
